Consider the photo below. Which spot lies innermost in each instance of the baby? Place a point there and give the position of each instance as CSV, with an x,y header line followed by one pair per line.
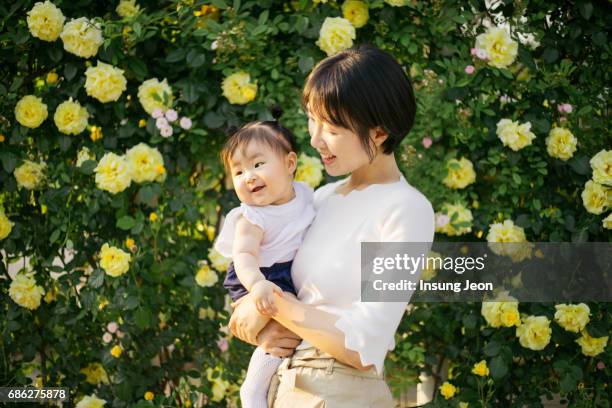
x,y
263,234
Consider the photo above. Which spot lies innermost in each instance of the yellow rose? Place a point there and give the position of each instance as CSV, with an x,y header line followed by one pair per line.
x,y
460,173
45,21
24,291
219,386
502,311
592,346
481,369
356,12
149,396
127,8
396,3
561,143
95,374
336,34
572,318
601,164
30,175
91,401
460,220
514,135
238,89
114,261
309,170
464,404
83,155
30,111
116,351
95,133
82,38
153,94
6,226
205,276
595,197
218,261
142,123
70,117
113,173
52,78
501,50
534,332
104,82
145,163
607,222
447,390
507,239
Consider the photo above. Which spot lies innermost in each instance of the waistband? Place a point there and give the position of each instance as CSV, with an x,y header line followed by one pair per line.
x,y
317,359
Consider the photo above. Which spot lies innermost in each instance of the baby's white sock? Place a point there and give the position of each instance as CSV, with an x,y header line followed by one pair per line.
x,y
254,389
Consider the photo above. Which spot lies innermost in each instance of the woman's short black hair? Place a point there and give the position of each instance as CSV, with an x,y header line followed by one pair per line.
x,y
360,89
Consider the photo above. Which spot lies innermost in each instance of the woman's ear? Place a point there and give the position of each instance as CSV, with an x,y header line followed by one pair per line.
x,y
291,161
378,136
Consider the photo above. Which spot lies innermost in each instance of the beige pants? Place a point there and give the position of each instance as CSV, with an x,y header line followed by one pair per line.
x,y
314,379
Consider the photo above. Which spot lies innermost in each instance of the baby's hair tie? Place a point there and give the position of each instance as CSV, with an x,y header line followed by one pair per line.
x,y
277,112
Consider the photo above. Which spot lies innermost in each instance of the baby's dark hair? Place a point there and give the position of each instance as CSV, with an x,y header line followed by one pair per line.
x,y
360,89
270,132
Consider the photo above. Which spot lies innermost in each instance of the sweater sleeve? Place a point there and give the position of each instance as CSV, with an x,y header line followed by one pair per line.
x,y
369,327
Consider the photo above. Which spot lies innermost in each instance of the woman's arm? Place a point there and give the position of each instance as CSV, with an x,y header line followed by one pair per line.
x,y
317,327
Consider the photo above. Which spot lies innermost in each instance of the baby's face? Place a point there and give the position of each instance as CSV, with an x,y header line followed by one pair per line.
x,y
262,176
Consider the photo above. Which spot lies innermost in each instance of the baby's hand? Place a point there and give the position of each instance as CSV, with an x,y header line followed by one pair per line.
x,y
263,294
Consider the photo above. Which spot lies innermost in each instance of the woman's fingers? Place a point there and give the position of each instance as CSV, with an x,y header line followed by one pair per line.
x,y
280,352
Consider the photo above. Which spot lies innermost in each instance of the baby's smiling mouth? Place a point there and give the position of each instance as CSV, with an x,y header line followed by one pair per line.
x,y
256,189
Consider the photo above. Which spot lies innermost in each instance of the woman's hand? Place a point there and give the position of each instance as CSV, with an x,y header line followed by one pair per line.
x,y
246,322
277,340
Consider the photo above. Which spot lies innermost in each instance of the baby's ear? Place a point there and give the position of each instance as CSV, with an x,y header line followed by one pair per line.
x,y
291,160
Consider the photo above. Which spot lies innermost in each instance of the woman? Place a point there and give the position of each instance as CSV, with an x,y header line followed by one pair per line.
x,y
360,106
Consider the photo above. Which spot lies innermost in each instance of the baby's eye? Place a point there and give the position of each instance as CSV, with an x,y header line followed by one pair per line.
x,y
258,164
237,173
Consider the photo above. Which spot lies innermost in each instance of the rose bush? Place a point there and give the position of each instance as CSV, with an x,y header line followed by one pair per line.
x,y
111,120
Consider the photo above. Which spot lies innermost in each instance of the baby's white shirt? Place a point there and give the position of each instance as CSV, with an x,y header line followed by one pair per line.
x,y
283,225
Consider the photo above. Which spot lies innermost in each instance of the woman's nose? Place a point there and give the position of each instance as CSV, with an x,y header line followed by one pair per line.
x,y
315,137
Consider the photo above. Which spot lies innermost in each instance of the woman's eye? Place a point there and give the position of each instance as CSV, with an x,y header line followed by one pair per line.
x,y
258,164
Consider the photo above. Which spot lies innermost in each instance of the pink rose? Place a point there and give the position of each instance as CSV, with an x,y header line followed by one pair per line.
x,y
470,69
171,115
112,327
185,123
473,51
565,108
223,345
161,123
120,334
157,113
442,220
481,54
166,131
601,365
107,337
427,142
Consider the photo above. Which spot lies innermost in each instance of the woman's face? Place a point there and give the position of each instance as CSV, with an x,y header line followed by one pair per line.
x,y
341,149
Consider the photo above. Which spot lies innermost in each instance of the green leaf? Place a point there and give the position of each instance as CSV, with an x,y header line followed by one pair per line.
x,y
213,121
142,318
516,178
550,55
586,10
498,368
470,321
96,279
88,167
126,222
70,71
492,349
54,236
9,161
305,64
219,4
176,55
580,164
195,59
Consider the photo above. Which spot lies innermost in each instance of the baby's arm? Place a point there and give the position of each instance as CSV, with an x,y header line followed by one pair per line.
x,y
245,252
